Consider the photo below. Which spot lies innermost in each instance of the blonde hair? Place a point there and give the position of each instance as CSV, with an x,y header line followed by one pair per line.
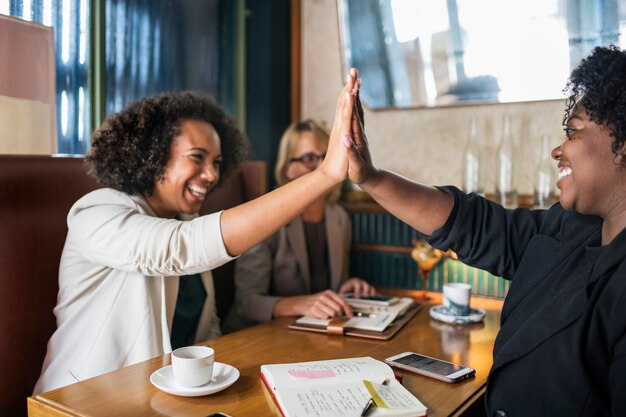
x,y
321,135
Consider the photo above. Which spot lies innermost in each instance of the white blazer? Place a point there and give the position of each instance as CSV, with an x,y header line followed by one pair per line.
x,y
118,283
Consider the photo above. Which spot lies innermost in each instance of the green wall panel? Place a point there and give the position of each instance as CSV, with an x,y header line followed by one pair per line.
x,y
398,270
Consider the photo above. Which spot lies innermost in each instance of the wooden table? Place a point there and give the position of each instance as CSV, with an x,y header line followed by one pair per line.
x,y
128,391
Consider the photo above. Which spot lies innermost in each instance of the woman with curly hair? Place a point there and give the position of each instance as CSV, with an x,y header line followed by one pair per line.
x,y
120,301
303,268
561,350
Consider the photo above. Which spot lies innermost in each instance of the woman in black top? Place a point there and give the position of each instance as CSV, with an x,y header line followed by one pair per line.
x,y
561,350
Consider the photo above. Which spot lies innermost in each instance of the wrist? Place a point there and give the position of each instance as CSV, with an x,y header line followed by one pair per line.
x,y
371,178
289,307
282,308
327,177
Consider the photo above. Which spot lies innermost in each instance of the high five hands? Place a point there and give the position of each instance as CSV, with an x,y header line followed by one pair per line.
x,y
348,133
360,161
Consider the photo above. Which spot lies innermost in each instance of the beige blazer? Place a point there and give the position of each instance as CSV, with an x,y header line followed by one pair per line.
x,y
279,267
118,283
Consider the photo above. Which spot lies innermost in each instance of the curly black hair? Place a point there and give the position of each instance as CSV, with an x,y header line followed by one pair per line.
x,y
599,85
131,148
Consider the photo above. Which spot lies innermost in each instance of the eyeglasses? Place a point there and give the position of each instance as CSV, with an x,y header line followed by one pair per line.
x,y
310,160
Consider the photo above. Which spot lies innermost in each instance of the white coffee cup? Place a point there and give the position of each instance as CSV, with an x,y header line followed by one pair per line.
x,y
193,365
456,298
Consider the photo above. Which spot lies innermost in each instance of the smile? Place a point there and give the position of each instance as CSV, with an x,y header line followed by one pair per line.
x,y
564,172
197,191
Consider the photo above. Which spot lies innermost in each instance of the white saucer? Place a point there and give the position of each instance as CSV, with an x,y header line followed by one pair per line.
x,y
223,377
440,312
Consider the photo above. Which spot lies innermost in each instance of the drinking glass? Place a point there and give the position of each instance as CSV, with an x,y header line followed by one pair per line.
x,y
426,257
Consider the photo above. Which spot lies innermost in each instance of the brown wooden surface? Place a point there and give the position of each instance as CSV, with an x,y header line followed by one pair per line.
x,y
128,392
295,50
36,193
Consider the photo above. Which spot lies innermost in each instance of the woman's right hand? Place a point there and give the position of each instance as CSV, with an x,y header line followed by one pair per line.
x,y
328,304
323,305
335,164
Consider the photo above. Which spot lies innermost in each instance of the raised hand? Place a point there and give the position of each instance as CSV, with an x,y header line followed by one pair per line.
x,y
336,161
360,166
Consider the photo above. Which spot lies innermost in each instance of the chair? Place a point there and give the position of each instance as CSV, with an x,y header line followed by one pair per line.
x,y
246,184
36,193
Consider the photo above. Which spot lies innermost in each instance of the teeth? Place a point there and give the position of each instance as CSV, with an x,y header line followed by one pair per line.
x,y
197,190
564,172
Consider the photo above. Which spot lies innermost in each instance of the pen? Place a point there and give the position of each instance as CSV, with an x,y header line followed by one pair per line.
x,y
367,407
363,314
370,403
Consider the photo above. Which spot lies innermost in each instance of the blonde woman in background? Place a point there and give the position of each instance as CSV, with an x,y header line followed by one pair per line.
x,y
301,269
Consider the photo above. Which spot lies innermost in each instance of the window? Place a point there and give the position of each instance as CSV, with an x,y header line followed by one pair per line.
x,y
153,46
150,46
70,20
433,52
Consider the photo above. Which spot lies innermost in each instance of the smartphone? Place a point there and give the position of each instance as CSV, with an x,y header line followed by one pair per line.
x,y
434,368
380,300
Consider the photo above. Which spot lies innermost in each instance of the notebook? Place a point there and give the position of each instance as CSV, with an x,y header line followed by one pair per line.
x,y
380,322
339,387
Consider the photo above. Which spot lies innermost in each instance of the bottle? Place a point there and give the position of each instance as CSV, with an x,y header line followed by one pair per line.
x,y
545,178
506,190
472,178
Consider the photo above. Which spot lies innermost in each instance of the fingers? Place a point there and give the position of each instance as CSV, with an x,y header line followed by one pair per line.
x,y
359,113
368,290
365,288
357,286
345,128
346,116
356,82
349,95
357,116
329,304
335,164
345,103
359,107
356,127
348,88
359,140
358,165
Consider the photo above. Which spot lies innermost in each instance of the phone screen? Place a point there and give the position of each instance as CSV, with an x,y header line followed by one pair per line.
x,y
370,297
435,366
376,297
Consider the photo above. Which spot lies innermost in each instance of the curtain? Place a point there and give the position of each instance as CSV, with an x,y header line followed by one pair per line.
x,y
155,46
151,46
591,23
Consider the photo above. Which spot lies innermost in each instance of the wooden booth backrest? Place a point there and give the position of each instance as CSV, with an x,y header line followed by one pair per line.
x,y
36,193
247,183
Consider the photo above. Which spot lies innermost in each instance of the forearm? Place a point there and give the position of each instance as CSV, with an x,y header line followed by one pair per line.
x,y
424,208
246,225
289,306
